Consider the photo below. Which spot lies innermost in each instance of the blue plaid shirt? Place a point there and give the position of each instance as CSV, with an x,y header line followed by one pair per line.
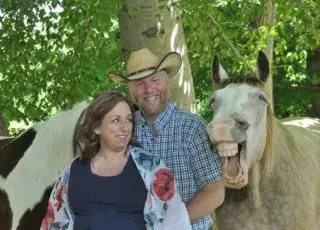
x,y
181,141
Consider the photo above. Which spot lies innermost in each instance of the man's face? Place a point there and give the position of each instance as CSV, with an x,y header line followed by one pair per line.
x,y
151,94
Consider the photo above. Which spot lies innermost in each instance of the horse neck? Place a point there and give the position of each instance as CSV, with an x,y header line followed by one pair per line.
x,y
262,174
11,153
286,144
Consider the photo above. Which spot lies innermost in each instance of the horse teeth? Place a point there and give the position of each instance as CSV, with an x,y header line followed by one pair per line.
x,y
227,149
227,153
223,154
234,151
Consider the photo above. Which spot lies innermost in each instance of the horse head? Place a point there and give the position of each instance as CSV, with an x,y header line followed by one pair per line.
x,y
239,125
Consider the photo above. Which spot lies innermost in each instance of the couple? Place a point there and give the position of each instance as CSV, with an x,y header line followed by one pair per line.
x,y
175,178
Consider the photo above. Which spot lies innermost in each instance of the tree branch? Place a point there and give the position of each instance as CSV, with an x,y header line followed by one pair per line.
x,y
87,27
225,37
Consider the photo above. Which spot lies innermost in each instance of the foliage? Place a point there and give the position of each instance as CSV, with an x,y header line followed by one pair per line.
x,y
57,53
230,29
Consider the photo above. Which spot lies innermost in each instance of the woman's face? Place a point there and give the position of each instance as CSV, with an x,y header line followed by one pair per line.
x,y
116,128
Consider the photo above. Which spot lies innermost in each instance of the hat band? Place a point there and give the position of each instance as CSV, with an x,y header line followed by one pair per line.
x,y
142,70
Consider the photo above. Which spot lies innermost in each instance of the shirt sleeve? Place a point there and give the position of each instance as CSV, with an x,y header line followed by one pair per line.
x,y
57,216
205,161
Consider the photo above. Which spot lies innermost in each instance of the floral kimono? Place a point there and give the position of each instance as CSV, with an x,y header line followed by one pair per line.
x,y
163,209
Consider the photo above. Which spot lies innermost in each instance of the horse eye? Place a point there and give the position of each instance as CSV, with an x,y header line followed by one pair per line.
x,y
263,98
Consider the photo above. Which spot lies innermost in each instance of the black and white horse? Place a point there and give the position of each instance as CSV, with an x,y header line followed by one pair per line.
x,y
30,164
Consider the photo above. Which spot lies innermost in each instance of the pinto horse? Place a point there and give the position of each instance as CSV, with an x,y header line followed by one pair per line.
x,y
29,166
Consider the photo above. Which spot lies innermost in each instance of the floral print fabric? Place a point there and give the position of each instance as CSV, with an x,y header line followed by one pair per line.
x,y
164,185
163,209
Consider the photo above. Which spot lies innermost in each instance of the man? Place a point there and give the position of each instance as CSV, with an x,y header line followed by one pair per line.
x,y
177,137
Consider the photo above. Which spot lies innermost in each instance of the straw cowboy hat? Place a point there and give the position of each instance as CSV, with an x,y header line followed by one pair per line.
x,y
143,63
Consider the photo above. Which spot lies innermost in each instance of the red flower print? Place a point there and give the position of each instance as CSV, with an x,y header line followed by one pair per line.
x,y
49,218
164,184
58,195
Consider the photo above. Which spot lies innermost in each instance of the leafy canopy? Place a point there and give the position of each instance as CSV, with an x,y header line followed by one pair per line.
x,y
57,53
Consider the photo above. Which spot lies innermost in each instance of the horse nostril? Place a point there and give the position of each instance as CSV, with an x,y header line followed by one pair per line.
x,y
242,124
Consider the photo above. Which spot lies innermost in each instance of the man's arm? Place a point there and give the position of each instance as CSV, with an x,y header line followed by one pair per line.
x,y
205,164
206,201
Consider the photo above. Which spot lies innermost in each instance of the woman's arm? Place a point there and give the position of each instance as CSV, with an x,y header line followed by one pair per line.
x,y
58,216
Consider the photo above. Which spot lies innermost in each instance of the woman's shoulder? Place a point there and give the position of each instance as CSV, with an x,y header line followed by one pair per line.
x,y
65,172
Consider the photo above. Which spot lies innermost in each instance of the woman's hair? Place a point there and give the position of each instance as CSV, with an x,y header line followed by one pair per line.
x,y
86,142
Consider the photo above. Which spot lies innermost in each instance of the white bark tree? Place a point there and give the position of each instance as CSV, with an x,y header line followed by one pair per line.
x,y
268,19
156,24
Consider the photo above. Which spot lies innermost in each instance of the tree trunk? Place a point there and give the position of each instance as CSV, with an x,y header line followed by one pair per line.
x,y
316,107
156,24
268,19
3,126
313,71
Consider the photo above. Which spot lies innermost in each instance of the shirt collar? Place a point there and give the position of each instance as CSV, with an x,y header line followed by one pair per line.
x,y
161,121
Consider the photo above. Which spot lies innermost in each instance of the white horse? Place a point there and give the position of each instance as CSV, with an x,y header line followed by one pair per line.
x,y
271,169
30,164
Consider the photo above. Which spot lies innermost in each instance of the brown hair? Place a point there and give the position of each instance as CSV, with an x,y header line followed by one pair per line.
x,y
85,140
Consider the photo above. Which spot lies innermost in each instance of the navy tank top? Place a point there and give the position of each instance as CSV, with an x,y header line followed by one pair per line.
x,y
106,203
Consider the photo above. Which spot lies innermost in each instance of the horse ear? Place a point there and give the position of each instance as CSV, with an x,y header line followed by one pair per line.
x,y
262,66
218,73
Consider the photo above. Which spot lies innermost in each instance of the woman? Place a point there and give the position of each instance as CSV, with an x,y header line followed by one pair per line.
x,y
113,184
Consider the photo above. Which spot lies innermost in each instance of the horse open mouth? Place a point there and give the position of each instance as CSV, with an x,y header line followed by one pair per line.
x,y
234,165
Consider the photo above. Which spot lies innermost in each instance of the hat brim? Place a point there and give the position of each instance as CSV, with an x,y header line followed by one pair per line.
x,y
118,78
171,63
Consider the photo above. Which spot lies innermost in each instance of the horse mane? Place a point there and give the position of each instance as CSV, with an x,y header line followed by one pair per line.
x,y
268,158
249,80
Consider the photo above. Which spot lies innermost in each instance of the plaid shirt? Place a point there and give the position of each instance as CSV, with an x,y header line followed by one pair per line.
x,y
181,141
